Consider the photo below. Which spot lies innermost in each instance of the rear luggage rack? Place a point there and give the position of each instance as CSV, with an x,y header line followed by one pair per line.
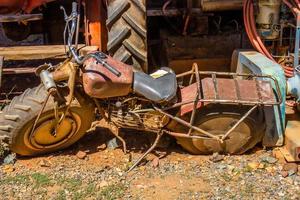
x,y
223,88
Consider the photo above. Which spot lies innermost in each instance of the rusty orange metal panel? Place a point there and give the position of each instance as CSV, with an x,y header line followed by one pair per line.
x,y
32,4
10,6
95,24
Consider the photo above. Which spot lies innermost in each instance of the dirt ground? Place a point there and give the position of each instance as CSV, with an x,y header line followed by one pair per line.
x,y
90,170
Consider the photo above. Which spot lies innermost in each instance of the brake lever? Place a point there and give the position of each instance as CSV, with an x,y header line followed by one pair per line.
x,y
65,13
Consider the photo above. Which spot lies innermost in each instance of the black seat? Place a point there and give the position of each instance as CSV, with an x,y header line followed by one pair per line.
x,y
162,89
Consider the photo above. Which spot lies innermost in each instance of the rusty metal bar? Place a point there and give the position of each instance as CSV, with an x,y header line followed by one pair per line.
x,y
239,122
238,91
258,90
19,18
221,5
183,135
228,74
214,77
172,12
192,120
188,124
159,135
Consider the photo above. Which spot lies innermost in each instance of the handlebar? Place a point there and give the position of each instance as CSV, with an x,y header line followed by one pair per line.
x,y
98,56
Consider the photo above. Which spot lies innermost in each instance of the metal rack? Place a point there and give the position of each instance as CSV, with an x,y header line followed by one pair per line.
x,y
195,78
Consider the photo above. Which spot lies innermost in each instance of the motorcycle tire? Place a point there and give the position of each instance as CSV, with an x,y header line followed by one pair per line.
x,y
17,119
127,32
218,119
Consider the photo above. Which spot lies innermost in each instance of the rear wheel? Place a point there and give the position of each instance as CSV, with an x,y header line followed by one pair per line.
x,y
127,32
218,119
17,119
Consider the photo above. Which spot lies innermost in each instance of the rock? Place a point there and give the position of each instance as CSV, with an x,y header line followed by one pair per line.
x,y
45,163
290,167
261,166
284,174
269,159
103,184
81,154
112,144
155,162
8,168
102,147
216,157
278,155
10,159
270,169
253,165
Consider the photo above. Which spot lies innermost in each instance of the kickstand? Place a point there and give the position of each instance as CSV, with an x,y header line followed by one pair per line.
x,y
116,132
159,135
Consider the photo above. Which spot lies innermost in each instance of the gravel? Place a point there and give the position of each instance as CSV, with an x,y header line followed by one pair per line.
x,y
101,174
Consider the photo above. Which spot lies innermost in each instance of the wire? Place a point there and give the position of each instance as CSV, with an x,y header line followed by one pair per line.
x,y
255,39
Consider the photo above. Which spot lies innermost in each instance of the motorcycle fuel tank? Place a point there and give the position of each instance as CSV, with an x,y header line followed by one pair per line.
x,y
98,82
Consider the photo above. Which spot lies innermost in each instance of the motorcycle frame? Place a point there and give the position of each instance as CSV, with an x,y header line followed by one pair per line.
x,y
67,68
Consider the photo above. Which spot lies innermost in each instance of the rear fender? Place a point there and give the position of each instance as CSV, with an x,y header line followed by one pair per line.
x,y
188,94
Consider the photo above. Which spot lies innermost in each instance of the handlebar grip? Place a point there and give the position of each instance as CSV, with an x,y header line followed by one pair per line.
x,y
74,7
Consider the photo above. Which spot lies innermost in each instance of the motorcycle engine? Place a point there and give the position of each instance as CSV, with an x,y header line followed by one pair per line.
x,y
135,114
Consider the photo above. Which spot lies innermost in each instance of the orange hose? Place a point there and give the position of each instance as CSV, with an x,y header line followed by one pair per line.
x,y
250,26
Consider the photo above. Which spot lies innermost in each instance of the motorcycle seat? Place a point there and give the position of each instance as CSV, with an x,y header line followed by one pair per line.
x,y
162,88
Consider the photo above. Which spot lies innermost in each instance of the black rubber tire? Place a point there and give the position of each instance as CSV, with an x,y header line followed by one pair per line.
x,y
255,123
127,32
20,114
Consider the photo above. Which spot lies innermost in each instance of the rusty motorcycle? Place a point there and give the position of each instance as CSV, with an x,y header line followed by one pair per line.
x,y
206,112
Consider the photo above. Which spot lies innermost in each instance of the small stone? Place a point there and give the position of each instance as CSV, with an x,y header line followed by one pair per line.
x,y
261,166
270,169
10,159
284,174
103,184
81,154
290,167
140,186
155,162
112,144
216,157
45,163
278,155
142,168
102,147
269,159
281,194
253,165
8,168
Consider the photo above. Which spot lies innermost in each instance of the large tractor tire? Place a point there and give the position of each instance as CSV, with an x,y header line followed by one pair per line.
x,y
17,119
218,119
127,32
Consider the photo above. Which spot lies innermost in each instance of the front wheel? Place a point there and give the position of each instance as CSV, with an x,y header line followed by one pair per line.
x,y
17,119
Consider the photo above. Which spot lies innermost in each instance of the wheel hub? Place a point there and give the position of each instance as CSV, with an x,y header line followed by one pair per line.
x,y
219,126
48,134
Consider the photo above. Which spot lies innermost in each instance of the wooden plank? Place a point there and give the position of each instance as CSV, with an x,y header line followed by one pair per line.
x,y
19,70
1,67
20,18
39,52
204,64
